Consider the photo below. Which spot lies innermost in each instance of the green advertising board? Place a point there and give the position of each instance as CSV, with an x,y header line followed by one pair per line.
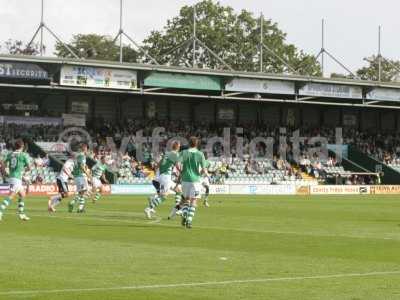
x,y
183,81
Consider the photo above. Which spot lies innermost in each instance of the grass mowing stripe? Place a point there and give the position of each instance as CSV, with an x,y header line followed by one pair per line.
x,y
268,242
200,284
158,220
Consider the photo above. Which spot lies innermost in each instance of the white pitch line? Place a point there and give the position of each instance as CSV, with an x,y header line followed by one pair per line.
x,y
199,284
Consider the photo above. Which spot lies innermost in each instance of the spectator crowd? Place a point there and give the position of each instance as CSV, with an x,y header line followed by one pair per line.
x,y
310,162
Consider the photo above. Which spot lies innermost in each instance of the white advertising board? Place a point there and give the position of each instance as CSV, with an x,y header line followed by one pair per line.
x,y
74,120
98,77
384,94
262,189
331,90
339,189
260,86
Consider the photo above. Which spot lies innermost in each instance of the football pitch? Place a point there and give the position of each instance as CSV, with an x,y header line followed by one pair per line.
x,y
251,247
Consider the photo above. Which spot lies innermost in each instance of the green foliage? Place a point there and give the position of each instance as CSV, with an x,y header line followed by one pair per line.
x,y
234,37
17,47
94,46
390,69
342,76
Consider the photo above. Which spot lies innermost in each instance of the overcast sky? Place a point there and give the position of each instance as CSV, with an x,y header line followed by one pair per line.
x,y
351,25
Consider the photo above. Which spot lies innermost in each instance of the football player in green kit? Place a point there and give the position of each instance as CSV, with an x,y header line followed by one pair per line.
x,y
193,167
164,179
81,174
18,162
98,175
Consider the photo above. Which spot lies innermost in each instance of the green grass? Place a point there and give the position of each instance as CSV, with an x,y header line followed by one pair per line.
x,y
237,239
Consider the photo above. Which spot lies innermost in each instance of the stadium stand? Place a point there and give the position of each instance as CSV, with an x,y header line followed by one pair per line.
x,y
384,147
311,169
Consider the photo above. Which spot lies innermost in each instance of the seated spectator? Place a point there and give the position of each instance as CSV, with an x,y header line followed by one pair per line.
x,y
248,168
38,162
46,161
280,164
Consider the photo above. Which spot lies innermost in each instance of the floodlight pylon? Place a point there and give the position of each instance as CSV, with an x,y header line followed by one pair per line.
x,y
194,42
263,46
381,58
42,26
121,33
324,51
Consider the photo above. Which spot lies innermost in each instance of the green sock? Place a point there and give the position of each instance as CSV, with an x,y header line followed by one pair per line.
x,y
21,206
178,198
81,202
156,201
191,213
73,201
97,196
185,210
6,202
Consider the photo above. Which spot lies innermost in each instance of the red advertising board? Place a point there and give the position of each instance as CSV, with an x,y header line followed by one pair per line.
x,y
4,189
51,189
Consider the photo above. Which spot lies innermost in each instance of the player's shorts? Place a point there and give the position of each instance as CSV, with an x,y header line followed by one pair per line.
x,y
165,183
62,186
205,181
156,185
97,184
81,184
16,185
191,190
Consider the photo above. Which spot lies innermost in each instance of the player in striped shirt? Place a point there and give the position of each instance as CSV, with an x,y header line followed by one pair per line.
x,y
62,184
98,177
